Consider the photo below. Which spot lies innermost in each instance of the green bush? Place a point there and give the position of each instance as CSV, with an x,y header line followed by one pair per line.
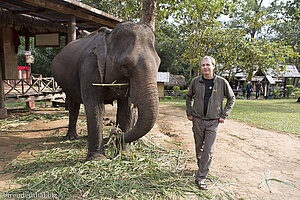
x,y
176,87
169,97
289,90
297,94
276,93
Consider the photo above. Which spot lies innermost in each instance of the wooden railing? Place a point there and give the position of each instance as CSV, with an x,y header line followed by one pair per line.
x,y
34,85
34,88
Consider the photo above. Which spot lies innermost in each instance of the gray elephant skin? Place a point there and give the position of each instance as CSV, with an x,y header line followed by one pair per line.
x,y
124,55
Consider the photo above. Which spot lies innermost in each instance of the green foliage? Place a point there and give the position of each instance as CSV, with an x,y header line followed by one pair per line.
x,y
297,94
124,9
176,88
289,90
276,93
42,57
287,28
169,97
188,30
169,48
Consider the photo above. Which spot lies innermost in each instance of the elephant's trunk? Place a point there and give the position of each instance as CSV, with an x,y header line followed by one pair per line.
x,y
144,95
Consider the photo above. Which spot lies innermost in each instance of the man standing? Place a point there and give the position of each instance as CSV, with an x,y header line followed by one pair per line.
x,y
258,88
249,89
207,112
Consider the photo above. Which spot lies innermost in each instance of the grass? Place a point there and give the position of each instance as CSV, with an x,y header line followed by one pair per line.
x,y
281,115
146,171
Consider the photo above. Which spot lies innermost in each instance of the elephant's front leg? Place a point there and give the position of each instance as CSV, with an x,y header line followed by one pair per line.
x,y
94,113
126,114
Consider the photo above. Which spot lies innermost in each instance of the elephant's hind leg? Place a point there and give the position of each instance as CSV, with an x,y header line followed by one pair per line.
x,y
73,116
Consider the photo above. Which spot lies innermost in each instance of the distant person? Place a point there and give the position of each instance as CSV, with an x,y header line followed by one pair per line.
x,y
208,91
249,89
258,88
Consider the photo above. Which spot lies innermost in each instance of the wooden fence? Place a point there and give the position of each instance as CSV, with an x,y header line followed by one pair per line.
x,y
33,89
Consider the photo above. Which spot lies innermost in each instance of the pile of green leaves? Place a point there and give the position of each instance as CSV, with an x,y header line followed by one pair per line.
x,y
145,171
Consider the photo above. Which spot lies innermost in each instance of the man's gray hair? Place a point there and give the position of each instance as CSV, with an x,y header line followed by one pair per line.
x,y
213,61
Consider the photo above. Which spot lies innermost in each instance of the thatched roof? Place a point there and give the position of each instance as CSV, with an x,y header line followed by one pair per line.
x,y
290,71
176,80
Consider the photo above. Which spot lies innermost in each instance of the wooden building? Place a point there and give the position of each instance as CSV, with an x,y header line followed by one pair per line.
x,y
46,20
162,79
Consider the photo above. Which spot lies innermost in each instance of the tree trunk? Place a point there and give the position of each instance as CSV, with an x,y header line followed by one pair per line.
x,y
149,12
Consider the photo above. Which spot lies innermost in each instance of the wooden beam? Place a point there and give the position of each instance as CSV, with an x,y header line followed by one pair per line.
x,y
7,18
77,12
26,11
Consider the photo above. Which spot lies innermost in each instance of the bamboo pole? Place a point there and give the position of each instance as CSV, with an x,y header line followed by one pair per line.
x,y
109,84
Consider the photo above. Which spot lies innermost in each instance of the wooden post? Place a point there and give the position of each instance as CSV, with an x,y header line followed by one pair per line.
x,y
71,28
29,104
3,110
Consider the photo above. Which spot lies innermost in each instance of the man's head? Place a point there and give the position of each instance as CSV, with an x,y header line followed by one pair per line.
x,y
207,66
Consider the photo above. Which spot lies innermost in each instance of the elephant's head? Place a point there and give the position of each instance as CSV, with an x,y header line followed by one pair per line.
x,y
131,57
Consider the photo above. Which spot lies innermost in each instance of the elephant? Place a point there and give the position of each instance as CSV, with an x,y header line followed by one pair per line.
x,y
125,54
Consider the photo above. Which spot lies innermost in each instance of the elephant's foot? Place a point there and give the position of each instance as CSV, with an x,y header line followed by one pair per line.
x,y
72,135
95,156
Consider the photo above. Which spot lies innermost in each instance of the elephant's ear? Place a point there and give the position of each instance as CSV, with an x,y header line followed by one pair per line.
x,y
100,50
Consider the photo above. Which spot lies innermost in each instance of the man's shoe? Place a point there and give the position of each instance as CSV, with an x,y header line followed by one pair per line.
x,y
201,184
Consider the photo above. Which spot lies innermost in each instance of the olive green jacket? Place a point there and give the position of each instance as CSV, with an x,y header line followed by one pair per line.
x,y
215,109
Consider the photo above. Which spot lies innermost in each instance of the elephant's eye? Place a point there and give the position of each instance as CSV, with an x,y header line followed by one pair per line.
x,y
125,70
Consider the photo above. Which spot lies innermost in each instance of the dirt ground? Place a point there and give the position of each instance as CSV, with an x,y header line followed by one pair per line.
x,y
241,156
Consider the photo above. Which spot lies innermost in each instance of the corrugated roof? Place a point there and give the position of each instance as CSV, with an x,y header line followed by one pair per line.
x,y
163,77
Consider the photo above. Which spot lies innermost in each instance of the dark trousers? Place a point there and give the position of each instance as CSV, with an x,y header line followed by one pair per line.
x,y
248,95
257,94
205,132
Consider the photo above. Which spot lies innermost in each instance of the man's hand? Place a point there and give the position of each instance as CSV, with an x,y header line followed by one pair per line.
x,y
190,118
221,120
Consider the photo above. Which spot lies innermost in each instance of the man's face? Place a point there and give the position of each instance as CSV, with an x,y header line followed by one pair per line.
x,y
207,67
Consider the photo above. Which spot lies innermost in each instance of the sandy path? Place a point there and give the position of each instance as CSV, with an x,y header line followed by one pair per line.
x,y
241,155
